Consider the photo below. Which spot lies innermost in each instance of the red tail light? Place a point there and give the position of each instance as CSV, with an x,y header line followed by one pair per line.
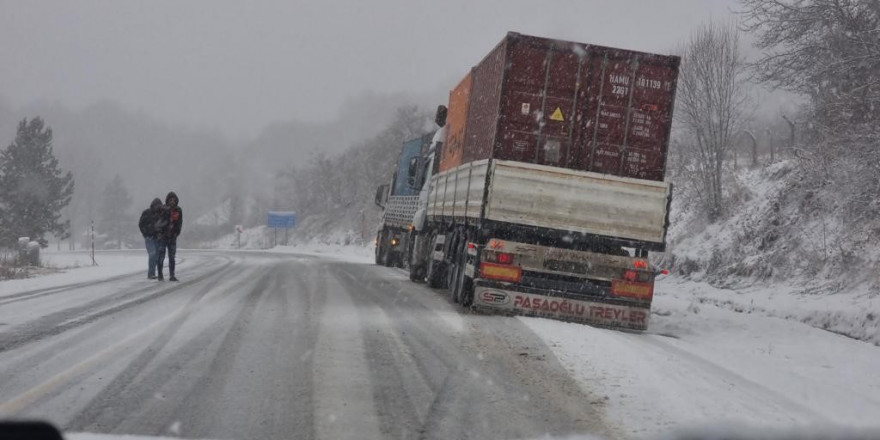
x,y
664,272
630,275
503,258
640,264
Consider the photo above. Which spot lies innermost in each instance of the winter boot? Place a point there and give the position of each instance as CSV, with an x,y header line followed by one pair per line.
x,y
172,278
160,277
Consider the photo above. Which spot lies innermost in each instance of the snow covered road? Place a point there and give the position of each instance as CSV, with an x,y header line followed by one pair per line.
x,y
323,344
259,345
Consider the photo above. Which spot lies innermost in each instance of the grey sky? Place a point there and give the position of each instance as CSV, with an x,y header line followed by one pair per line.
x,y
235,66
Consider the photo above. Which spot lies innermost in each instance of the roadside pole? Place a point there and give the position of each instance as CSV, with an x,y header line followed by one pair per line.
x,y
92,239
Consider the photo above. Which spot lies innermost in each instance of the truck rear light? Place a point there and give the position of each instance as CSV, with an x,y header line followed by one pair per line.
x,y
498,257
632,290
640,264
495,244
500,272
630,275
395,242
664,272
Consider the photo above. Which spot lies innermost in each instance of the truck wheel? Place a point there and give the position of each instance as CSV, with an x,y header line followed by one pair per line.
x,y
465,290
415,274
453,273
416,258
463,293
454,270
382,252
434,275
379,254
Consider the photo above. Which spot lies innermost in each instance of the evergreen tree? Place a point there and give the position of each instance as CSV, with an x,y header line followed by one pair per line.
x,y
33,189
114,210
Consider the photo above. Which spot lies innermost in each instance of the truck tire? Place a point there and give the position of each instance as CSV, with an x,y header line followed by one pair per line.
x,y
453,273
454,268
416,258
435,271
463,292
434,276
379,254
382,251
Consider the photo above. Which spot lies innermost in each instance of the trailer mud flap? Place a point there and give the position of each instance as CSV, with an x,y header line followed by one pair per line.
x,y
587,312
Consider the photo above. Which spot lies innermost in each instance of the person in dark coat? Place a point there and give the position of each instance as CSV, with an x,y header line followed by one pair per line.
x,y
147,225
169,226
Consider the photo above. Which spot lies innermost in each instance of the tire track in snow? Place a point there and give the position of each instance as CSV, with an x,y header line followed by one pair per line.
x,y
68,319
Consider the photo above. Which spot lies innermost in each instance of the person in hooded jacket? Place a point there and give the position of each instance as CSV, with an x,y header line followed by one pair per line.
x,y
169,226
147,225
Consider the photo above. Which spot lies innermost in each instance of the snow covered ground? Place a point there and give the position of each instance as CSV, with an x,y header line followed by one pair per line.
x,y
714,357
76,267
350,253
755,357
339,246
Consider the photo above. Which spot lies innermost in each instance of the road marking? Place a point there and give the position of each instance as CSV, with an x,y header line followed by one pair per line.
x,y
21,401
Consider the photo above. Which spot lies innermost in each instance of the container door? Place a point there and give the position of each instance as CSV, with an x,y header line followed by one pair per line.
x,y
537,113
628,113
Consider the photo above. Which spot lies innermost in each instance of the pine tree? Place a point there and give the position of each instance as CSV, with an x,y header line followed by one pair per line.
x,y
114,210
33,189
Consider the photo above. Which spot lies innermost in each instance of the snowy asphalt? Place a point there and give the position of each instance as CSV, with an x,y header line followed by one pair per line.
x,y
255,345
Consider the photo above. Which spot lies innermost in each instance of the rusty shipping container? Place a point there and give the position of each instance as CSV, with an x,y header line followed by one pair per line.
x,y
565,104
456,121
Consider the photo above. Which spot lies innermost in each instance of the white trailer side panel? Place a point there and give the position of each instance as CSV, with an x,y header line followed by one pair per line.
x,y
553,198
577,201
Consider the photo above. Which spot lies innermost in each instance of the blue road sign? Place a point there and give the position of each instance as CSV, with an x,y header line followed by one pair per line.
x,y
281,219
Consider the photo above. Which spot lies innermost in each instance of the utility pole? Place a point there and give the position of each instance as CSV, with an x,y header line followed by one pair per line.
x,y
92,235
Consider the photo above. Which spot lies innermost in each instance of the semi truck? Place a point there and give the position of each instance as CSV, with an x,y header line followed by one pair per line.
x,y
542,191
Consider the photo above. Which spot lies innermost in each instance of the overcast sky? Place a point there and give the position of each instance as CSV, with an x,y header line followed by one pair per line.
x,y
237,66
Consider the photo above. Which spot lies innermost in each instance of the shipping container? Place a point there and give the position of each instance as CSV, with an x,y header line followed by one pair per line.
x,y
565,104
456,121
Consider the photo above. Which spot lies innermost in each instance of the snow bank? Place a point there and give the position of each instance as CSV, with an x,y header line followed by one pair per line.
x,y
706,363
76,267
346,245
351,253
779,227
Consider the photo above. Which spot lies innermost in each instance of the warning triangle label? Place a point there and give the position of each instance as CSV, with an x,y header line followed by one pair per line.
x,y
557,115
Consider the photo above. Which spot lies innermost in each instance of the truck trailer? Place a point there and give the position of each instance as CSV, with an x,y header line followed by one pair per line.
x,y
542,191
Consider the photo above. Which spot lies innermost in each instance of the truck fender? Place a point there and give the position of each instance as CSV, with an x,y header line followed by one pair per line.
x,y
419,219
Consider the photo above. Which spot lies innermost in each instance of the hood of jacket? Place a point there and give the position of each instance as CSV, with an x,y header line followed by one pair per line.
x,y
172,195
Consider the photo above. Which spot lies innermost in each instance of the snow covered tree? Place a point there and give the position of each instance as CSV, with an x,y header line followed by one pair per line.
x,y
711,106
827,50
115,220
33,188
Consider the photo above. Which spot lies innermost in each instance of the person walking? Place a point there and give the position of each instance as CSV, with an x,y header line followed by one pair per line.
x,y
171,222
147,225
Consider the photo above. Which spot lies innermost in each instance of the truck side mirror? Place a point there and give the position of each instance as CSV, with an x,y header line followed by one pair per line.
x,y
381,195
440,116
